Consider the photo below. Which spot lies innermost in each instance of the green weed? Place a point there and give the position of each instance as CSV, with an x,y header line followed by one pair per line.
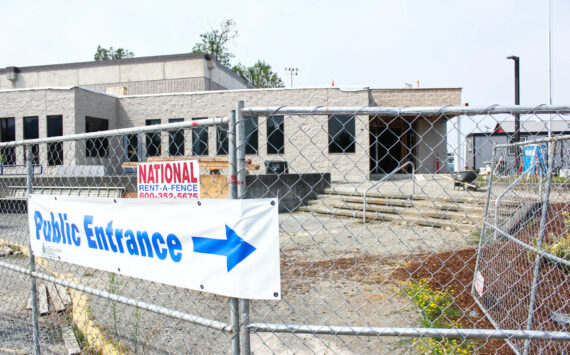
x,y
437,311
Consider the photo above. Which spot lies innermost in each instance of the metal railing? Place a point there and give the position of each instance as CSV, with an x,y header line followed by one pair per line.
x,y
5,169
386,177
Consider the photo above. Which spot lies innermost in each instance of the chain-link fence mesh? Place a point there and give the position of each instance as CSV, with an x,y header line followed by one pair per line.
x,y
522,275
380,234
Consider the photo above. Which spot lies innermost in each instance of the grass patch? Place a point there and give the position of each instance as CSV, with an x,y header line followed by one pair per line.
x,y
437,311
531,179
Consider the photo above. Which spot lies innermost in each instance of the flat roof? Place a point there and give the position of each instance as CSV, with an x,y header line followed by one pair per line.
x,y
339,88
102,63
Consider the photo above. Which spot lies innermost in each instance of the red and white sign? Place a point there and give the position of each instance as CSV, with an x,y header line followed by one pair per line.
x,y
169,179
479,283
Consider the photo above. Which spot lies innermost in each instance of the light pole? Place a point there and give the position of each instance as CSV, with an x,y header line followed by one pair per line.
x,y
292,71
516,137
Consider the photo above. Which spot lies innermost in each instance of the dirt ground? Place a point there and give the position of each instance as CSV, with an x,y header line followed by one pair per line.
x,y
453,270
512,268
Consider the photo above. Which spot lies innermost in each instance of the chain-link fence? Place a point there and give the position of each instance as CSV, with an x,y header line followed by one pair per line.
x,y
379,230
521,280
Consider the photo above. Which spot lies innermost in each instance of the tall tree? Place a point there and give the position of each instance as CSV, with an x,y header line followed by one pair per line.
x,y
111,53
215,42
259,75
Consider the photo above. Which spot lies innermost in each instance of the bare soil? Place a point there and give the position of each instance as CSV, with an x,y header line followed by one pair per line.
x,y
507,269
453,270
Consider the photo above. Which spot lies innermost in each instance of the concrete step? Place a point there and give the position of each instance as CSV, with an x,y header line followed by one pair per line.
x,y
418,204
371,200
452,213
344,191
336,203
402,220
451,206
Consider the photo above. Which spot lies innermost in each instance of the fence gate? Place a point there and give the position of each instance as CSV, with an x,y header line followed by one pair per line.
x,y
382,248
521,281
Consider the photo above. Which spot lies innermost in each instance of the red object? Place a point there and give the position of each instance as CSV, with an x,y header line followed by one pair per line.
x,y
499,162
437,163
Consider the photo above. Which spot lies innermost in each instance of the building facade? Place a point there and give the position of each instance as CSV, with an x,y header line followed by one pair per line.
x,y
145,75
306,144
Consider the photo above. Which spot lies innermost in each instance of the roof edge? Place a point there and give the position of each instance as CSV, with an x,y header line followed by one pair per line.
x,y
59,88
415,89
102,63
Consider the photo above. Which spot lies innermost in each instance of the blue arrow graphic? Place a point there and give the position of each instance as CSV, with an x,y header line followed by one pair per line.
x,y
234,248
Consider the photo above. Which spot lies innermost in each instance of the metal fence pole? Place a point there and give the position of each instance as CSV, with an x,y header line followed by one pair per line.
x,y
483,236
241,191
244,332
232,186
541,232
240,152
36,329
232,156
234,307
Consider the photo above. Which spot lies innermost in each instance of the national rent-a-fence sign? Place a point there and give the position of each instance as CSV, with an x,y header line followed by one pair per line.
x,y
169,179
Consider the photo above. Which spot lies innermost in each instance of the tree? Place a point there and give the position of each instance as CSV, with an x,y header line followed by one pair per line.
x,y
259,75
214,42
111,53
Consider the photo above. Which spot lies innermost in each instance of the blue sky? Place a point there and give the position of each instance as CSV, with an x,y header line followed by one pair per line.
x,y
381,44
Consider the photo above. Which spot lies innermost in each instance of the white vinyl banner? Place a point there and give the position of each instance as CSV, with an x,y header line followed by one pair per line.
x,y
226,247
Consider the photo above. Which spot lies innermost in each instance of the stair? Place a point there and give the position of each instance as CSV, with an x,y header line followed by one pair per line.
x,y
461,214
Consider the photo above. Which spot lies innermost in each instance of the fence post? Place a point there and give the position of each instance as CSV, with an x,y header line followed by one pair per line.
x,y
483,236
241,191
232,187
536,271
234,307
36,328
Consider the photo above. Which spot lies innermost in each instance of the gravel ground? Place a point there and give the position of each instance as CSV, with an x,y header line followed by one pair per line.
x,y
16,321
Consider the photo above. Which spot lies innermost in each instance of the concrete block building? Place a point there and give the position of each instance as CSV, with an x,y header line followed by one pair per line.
x,y
145,75
64,99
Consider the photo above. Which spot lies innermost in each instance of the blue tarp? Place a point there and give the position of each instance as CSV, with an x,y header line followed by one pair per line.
x,y
534,157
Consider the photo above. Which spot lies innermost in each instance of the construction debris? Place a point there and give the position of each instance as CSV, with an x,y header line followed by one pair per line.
x,y
70,341
57,295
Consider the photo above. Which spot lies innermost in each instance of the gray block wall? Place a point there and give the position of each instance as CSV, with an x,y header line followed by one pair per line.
x,y
306,137
140,75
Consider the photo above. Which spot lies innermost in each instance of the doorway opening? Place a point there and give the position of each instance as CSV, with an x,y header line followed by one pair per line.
x,y
392,143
